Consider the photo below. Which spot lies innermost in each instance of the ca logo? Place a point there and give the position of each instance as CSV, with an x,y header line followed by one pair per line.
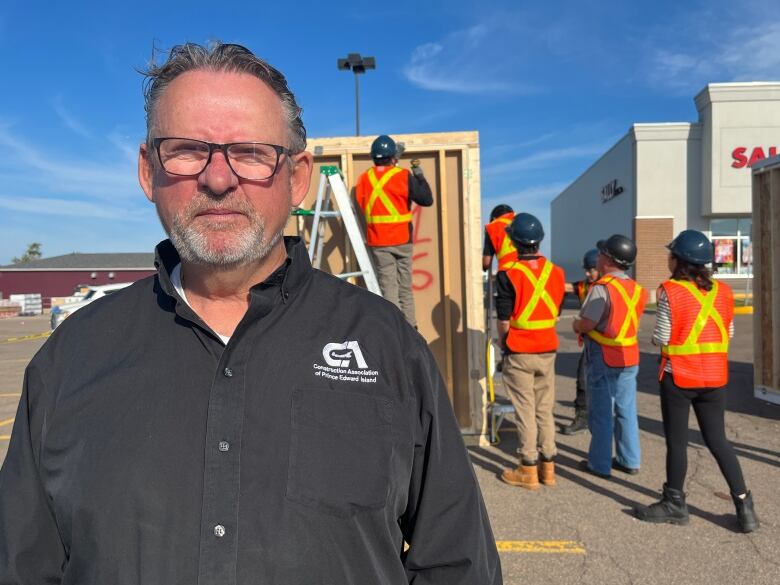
x,y
339,355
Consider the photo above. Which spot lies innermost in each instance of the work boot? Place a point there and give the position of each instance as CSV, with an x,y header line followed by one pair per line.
x,y
746,515
578,425
670,508
547,472
525,476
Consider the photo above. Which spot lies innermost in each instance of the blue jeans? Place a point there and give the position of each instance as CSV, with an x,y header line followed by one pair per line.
x,y
611,412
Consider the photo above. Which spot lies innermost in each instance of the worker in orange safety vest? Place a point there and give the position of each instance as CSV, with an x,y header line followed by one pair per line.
x,y
694,322
581,289
528,301
609,320
385,194
497,241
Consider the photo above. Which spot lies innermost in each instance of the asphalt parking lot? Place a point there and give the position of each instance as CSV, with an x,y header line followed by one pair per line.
x,y
582,530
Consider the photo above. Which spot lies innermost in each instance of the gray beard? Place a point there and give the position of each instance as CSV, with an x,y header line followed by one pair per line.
x,y
249,245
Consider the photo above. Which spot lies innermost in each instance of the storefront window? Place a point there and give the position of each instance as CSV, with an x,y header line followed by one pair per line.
x,y
732,243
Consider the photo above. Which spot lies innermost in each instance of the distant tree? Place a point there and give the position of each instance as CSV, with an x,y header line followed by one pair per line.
x,y
33,253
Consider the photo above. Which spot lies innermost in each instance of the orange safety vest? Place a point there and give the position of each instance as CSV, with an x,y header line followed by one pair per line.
x,y
618,341
505,250
582,290
384,198
539,289
699,343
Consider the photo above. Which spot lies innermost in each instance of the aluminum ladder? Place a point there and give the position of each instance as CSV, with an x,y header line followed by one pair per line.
x,y
331,182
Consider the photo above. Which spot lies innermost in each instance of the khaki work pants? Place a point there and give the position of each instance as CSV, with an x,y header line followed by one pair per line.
x,y
530,381
394,272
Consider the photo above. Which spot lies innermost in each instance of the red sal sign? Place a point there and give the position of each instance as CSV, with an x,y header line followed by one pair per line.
x,y
741,159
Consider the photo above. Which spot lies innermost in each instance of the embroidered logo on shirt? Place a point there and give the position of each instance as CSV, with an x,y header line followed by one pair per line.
x,y
339,355
339,358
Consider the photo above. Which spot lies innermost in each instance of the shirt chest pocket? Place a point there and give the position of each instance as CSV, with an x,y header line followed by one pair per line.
x,y
340,450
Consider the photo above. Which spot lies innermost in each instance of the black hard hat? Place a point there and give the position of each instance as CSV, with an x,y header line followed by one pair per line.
x,y
589,259
500,210
692,246
383,147
620,248
525,229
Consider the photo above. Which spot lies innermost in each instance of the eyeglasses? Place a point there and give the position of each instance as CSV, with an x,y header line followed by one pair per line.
x,y
186,157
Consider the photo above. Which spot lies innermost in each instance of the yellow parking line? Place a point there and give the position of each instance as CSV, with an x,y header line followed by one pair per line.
x,y
541,546
5,437
7,421
10,395
26,337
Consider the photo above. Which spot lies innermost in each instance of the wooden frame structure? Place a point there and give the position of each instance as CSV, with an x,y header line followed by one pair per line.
x,y
448,278
766,279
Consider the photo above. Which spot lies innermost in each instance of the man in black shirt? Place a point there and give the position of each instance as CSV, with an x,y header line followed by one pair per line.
x,y
240,417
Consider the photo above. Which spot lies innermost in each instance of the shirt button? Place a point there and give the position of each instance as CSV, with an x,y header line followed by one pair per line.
x,y
224,446
219,531
228,373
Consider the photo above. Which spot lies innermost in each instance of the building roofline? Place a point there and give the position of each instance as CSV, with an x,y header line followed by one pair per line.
x,y
101,269
737,92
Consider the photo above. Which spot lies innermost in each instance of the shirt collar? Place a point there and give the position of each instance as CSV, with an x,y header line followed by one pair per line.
x,y
293,272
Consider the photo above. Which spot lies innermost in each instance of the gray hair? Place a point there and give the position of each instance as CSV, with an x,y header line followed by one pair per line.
x,y
223,57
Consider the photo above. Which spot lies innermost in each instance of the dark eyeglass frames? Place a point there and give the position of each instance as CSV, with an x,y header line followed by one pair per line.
x,y
185,157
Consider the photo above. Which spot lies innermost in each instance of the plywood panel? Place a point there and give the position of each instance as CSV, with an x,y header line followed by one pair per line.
x,y
766,269
447,274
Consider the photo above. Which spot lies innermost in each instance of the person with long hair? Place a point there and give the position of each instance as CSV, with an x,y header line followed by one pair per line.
x,y
693,327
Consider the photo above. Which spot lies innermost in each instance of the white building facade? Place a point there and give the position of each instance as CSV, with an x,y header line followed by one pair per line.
x,y
660,179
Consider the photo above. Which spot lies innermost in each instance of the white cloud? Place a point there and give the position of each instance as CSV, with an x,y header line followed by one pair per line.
x,y
68,208
729,53
475,60
536,195
545,158
57,172
69,119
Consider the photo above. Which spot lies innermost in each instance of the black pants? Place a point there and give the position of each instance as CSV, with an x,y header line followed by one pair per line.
x,y
581,399
709,404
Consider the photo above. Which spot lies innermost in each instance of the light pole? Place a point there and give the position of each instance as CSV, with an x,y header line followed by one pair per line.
x,y
357,65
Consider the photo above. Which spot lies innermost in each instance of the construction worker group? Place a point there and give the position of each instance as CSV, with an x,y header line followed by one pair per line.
x,y
693,327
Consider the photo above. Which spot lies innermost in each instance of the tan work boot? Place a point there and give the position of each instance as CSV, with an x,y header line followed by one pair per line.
x,y
525,476
547,473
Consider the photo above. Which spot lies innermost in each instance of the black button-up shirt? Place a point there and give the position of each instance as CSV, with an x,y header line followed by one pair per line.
x,y
305,451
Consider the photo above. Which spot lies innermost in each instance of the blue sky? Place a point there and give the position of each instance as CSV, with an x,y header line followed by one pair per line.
x,y
549,86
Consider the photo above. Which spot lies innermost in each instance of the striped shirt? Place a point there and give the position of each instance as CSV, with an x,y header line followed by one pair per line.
x,y
663,324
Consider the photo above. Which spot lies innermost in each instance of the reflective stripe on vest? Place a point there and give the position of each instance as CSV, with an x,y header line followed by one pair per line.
x,y
524,321
378,192
707,311
503,248
507,252
620,340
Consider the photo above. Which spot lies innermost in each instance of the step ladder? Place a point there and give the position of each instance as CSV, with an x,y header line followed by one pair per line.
x,y
496,411
331,181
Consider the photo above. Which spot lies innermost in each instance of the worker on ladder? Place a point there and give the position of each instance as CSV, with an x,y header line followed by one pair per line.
x,y
385,193
530,292
497,241
581,289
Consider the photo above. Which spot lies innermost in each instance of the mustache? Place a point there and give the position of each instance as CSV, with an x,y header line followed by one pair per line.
x,y
207,201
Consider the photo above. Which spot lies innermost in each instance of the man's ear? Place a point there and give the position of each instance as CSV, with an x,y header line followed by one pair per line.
x,y
146,170
300,176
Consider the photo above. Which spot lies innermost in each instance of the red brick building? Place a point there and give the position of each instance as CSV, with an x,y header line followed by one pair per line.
x,y
60,276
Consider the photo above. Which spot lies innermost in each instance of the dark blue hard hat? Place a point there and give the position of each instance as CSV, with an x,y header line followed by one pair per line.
x,y
383,148
620,248
692,246
500,210
525,229
589,259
